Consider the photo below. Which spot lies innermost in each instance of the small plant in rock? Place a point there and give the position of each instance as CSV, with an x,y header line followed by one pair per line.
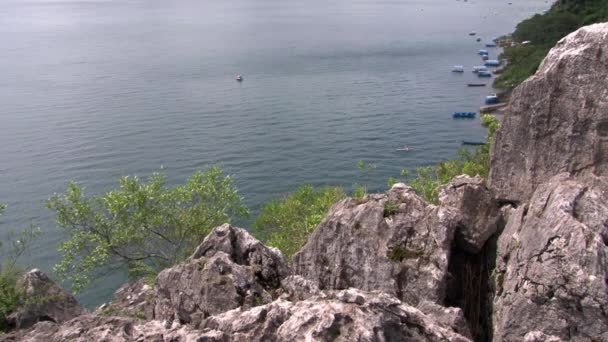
x,y
390,208
10,295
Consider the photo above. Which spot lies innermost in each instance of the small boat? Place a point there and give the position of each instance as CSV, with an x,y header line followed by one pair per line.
x,y
483,52
472,33
405,148
476,84
473,143
479,68
484,74
458,68
491,45
492,62
463,115
478,39
491,99
485,57
239,78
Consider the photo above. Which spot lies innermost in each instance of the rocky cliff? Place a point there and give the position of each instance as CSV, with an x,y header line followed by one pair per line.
x,y
521,258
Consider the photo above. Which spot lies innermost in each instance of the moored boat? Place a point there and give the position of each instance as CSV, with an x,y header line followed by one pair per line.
x,y
476,84
484,74
458,68
492,62
463,115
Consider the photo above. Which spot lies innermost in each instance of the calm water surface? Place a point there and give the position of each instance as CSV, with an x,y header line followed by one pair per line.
x,y
91,90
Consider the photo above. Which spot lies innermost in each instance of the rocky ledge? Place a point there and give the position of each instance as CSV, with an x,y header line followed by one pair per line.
x,y
523,257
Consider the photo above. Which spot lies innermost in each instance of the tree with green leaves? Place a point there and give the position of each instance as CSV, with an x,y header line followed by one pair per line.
x,y
287,223
145,226
17,244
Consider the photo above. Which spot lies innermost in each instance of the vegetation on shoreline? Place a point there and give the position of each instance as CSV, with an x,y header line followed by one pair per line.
x,y
428,179
543,31
144,226
10,295
287,223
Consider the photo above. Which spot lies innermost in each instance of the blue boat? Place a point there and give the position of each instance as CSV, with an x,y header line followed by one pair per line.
x,y
483,52
490,45
484,74
492,63
491,99
463,115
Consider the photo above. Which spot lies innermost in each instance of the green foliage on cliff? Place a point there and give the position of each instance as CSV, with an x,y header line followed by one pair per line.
x,y
428,179
145,226
287,223
543,31
17,244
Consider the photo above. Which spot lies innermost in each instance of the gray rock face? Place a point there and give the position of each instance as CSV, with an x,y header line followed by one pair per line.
x,y
131,300
391,242
349,315
557,120
44,301
552,265
479,212
90,328
228,270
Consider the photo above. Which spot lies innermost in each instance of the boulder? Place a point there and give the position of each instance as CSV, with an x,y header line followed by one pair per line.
x,y
348,315
552,265
134,300
557,120
393,242
479,212
89,328
228,270
42,300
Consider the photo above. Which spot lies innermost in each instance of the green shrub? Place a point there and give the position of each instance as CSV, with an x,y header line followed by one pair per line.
x,y
144,226
10,296
287,223
390,208
428,179
543,31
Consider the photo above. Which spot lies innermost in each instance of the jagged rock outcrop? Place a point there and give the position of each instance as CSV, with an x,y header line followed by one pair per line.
x,y
479,212
348,315
131,300
42,300
557,120
552,265
393,242
228,270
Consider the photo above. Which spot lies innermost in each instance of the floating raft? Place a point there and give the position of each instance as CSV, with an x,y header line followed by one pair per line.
x,y
476,84
469,115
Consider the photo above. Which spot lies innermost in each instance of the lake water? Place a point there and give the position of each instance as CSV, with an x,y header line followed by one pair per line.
x,y
91,90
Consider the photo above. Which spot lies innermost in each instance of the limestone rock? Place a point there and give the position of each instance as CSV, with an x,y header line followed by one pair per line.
x,y
348,315
391,242
228,270
552,264
479,212
297,288
557,120
89,328
131,300
43,301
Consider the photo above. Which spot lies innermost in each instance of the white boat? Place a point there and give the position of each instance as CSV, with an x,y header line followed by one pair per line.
x,y
239,77
479,68
458,68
